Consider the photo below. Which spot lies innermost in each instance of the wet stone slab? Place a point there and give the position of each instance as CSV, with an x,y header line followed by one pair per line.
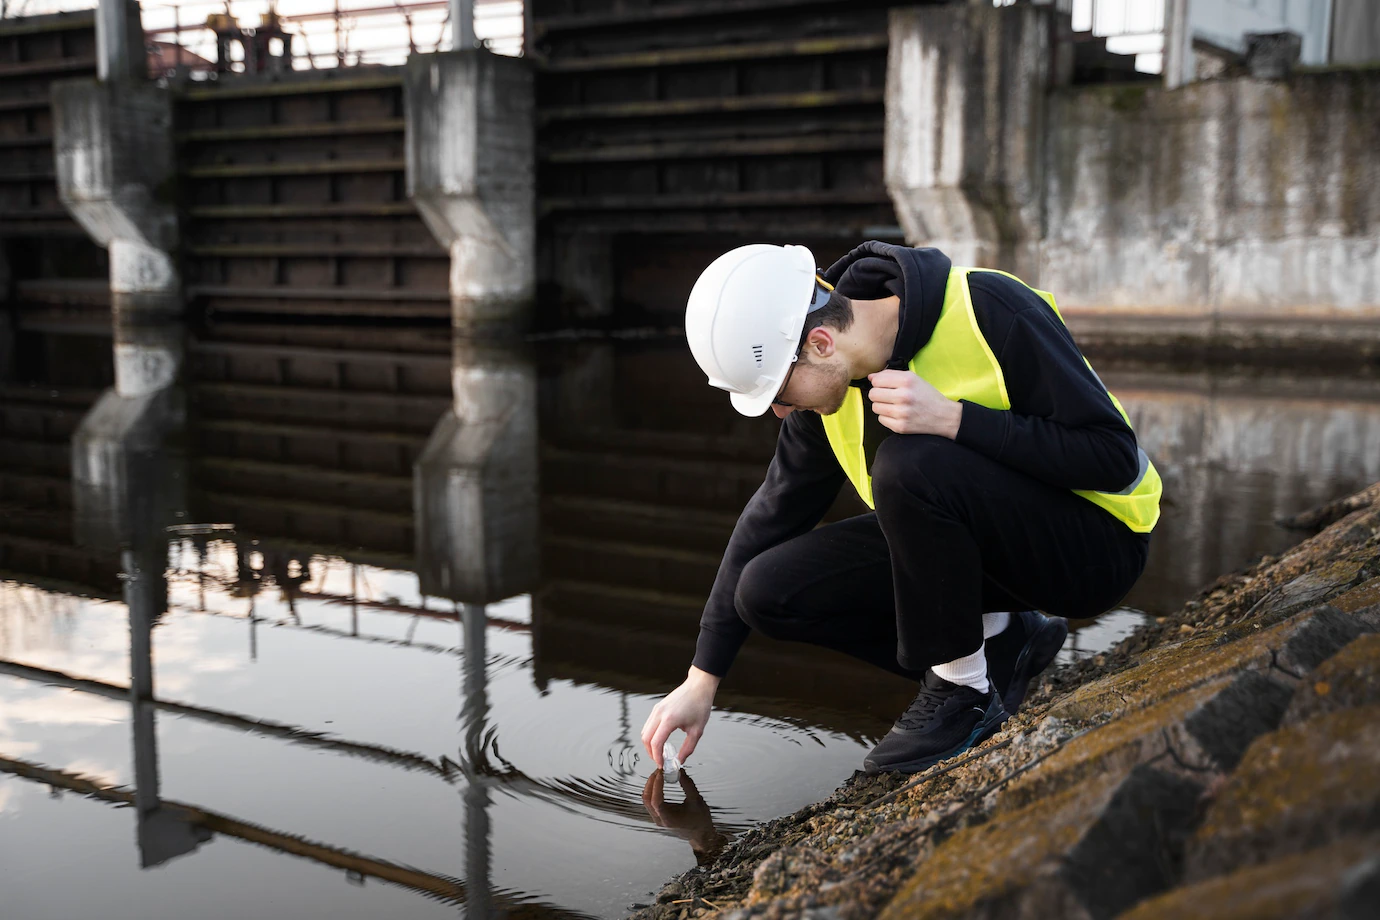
x,y
1088,852
1340,881
1348,679
1286,650
1301,787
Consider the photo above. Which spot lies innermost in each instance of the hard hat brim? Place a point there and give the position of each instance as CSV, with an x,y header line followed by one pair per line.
x,y
752,406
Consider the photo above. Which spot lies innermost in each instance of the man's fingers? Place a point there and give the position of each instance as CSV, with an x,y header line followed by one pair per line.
x,y
884,395
890,378
894,424
663,731
692,738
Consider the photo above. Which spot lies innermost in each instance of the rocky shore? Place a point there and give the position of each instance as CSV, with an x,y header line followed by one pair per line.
x,y
1222,762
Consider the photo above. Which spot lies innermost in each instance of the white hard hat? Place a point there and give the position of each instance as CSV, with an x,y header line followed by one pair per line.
x,y
744,320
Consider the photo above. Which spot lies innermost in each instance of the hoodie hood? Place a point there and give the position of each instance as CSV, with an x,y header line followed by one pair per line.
x,y
918,277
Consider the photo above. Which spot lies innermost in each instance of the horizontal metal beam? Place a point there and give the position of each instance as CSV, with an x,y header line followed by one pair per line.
x,y
327,211
55,66
24,102
701,150
55,22
782,199
316,251
33,140
312,168
636,15
710,54
343,292
309,129
711,106
343,355
248,88
259,429
439,886
267,727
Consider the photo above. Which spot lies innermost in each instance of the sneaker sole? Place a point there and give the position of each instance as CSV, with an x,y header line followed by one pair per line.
x,y
1039,652
981,732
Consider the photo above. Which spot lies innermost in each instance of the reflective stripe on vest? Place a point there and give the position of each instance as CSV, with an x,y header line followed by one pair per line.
x,y
959,363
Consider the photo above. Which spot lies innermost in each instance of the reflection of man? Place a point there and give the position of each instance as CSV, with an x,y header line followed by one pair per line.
x,y
690,819
1002,474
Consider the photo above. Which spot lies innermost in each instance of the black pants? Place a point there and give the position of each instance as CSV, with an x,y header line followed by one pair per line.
x,y
955,535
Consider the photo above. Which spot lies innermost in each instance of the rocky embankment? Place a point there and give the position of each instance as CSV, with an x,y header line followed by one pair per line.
x,y
1222,762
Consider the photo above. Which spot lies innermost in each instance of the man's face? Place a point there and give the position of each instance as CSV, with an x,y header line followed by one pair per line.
x,y
818,385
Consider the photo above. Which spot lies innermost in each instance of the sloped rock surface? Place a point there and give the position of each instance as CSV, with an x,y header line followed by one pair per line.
x,y
1237,736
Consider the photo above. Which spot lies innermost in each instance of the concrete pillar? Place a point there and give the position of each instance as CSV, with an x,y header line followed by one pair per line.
x,y
965,116
115,166
470,171
475,493
120,53
462,25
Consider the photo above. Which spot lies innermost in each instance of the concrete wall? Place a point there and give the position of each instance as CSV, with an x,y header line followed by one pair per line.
x,y
1230,197
1355,31
1225,208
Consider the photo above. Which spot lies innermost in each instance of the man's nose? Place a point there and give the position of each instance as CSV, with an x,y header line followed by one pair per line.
x,y
781,411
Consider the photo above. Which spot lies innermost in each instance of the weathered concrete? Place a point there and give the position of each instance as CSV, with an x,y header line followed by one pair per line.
x,y
1302,787
115,167
1341,881
475,492
120,54
966,98
471,173
1221,208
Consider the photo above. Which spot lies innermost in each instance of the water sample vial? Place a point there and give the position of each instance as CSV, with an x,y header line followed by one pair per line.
x,y
670,760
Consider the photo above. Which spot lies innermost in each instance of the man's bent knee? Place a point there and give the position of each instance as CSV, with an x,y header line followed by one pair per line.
x,y
760,600
924,466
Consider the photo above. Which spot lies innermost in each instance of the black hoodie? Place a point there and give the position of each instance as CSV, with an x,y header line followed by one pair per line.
x,y
1061,428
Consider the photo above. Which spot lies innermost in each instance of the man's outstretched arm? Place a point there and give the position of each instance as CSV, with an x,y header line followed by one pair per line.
x,y
801,483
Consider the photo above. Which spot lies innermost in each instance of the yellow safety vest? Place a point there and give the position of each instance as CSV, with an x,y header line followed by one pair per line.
x,y
959,363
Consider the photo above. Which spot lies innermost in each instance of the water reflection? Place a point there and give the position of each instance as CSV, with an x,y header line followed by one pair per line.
x,y
391,605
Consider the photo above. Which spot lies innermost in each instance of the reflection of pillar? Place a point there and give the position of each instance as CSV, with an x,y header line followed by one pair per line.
x,y
461,24
162,835
475,720
475,484
470,172
128,465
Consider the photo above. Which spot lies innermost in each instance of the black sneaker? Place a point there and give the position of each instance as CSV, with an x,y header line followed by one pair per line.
x,y
1020,652
944,720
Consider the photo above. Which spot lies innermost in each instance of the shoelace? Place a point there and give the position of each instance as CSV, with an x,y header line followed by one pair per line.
x,y
923,707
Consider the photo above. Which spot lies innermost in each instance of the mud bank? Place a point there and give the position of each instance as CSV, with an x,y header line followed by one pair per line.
x,y
1223,761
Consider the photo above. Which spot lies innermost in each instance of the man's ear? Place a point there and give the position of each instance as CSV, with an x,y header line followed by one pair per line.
x,y
820,342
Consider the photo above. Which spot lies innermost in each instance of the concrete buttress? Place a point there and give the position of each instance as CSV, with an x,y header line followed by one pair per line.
x,y
114,152
470,172
966,96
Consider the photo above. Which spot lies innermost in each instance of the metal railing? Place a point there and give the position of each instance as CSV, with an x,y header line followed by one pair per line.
x,y
202,38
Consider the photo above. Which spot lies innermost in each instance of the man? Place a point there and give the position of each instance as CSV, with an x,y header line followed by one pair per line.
x,y
1002,474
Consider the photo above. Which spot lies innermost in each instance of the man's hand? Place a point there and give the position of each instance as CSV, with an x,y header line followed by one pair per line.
x,y
686,708
907,404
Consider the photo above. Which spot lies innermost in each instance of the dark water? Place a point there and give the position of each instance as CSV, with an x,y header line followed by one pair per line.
x,y
376,679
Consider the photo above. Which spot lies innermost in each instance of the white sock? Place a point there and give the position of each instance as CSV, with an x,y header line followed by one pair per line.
x,y
968,671
994,624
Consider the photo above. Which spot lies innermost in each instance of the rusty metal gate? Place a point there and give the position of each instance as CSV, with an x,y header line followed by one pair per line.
x,y
294,199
